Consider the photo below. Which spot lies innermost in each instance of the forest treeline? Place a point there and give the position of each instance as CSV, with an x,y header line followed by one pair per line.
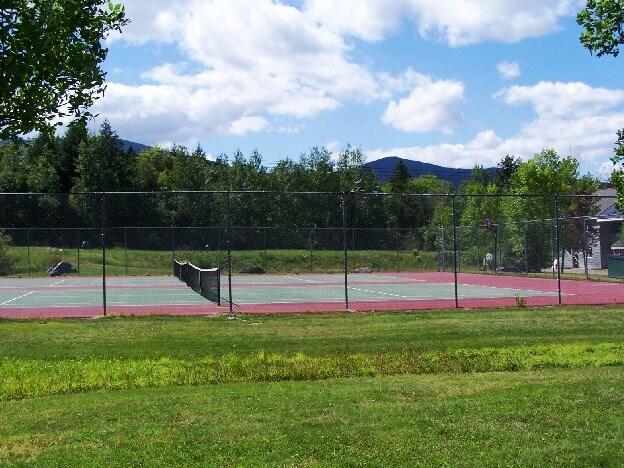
x,y
79,161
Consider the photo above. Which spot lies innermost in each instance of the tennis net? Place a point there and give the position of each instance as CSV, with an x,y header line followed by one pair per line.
x,y
204,281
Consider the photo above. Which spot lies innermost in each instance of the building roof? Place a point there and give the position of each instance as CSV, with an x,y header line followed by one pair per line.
x,y
609,213
605,203
618,245
606,206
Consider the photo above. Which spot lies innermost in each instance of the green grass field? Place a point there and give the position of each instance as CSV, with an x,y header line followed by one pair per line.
x,y
158,262
524,387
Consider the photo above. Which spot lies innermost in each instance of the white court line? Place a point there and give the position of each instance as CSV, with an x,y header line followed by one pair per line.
x,y
16,298
406,279
58,282
376,292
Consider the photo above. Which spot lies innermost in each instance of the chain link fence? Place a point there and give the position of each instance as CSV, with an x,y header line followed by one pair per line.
x,y
87,254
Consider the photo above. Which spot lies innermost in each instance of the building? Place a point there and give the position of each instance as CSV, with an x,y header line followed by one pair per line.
x,y
604,231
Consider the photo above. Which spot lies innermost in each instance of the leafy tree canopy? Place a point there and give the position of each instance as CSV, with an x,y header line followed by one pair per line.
x,y
51,52
603,34
602,21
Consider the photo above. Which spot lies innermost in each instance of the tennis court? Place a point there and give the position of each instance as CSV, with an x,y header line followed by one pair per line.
x,y
72,296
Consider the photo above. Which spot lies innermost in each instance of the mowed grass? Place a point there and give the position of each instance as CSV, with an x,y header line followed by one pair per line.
x,y
311,334
561,417
525,387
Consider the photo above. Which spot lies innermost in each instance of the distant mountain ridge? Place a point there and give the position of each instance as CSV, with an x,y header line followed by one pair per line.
x,y
136,147
383,168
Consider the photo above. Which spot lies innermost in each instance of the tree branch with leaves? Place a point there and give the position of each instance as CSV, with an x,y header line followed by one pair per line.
x,y
603,34
51,52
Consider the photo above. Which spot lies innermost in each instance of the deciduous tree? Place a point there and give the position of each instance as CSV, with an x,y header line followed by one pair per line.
x,y
51,53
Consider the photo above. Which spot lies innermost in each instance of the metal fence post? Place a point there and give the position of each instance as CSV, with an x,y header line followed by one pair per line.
x,y
585,238
28,248
455,252
441,255
344,246
266,256
398,257
219,246
229,253
103,236
557,232
310,245
126,248
173,248
479,259
78,252
526,258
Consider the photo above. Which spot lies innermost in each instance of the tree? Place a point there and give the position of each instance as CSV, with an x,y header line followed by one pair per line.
x,y
602,21
400,178
153,169
75,134
603,34
51,55
102,163
41,170
506,168
546,174
12,174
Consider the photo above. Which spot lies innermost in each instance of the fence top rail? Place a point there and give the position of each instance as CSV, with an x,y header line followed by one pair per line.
x,y
277,192
286,227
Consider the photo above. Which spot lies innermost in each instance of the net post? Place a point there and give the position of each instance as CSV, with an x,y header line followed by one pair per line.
x,y
557,232
103,237
455,251
229,252
345,249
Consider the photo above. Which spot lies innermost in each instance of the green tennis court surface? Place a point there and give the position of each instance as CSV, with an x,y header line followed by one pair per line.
x,y
80,296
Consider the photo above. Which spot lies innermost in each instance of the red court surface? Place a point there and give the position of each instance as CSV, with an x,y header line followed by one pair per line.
x,y
81,297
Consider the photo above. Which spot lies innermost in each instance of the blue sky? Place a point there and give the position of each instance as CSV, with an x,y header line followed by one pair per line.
x,y
457,83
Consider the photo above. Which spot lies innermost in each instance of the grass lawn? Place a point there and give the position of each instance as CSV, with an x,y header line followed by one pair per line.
x,y
527,387
158,262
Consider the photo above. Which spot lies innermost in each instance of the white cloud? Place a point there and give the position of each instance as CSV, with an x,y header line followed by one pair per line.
x,y
249,57
565,100
268,59
334,147
247,124
508,70
457,22
573,118
431,106
150,21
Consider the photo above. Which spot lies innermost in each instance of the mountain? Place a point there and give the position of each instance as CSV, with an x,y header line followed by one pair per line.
x,y
136,147
383,168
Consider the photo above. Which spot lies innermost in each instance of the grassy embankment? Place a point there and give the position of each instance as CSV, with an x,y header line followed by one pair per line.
x,y
517,387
